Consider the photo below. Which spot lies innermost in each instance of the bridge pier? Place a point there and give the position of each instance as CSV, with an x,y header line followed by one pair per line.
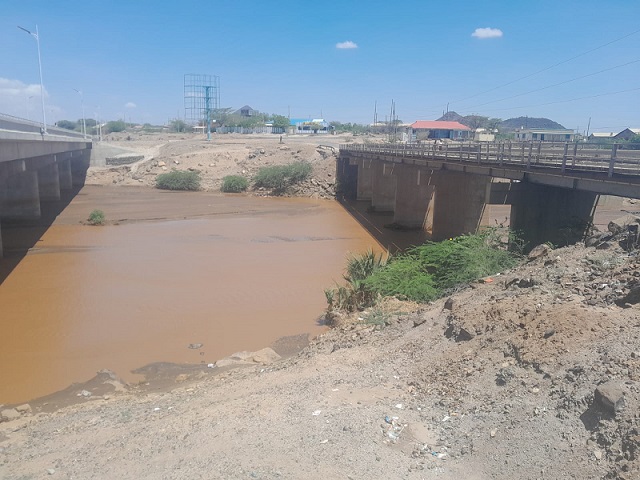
x,y
364,184
542,213
49,183
79,165
20,196
383,195
64,172
459,203
414,193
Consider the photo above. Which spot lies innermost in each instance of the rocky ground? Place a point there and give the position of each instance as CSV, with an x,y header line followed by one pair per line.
x,y
530,374
232,154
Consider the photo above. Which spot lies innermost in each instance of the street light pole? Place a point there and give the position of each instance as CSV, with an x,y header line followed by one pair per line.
x,y
84,123
37,37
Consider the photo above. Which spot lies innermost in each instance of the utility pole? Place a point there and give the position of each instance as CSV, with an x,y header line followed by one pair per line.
x,y
588,127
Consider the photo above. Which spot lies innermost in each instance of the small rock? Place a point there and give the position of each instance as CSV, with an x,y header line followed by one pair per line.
x,y
597,454
610,397
51,471
549,333
9,414
25,408
161,164
448,305
493,433
84,393
619,225
195,346
539,251
265,356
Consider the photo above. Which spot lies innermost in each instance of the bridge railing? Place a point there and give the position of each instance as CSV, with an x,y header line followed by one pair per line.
x,y
527,155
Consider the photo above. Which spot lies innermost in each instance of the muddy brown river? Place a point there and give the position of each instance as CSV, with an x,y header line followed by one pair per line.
x,y
169,270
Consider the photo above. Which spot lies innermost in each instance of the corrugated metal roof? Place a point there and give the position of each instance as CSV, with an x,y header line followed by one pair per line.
x,y
438,125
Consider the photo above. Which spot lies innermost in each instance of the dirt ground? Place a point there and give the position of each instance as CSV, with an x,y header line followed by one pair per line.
x,y
530,374
232,154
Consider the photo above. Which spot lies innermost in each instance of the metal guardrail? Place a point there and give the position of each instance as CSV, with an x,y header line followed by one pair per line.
x,y
525,155
8,122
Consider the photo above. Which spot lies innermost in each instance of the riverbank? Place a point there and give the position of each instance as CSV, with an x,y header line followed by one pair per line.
x,y
229,154
532,375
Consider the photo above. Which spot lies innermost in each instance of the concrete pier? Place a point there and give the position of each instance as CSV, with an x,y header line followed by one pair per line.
x,y
459,203
20,197
64,172
414,194
49,183
383,195
365,179
551,214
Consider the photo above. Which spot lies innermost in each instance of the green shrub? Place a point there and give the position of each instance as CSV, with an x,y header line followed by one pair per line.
x,y
178,180
279,177
234,184
96,217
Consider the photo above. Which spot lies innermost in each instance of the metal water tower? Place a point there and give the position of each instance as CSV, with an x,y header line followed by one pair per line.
x,y
201,99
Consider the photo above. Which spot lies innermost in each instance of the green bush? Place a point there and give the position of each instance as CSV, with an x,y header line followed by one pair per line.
x,y
234,184
96,217
279,177
178,180
423,273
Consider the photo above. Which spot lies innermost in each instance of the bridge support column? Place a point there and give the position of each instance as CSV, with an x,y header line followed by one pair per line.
x,y
79,165
459,203
49,183
414,191
558,215
64,173
1,251
365,179
383,196
20,196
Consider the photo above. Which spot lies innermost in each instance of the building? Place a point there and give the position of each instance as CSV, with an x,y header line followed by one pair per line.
x,y
245,111
545,135
601,136
435,129
310,125
627,134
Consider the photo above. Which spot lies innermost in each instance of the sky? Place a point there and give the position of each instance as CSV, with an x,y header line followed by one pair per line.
x,y
569,61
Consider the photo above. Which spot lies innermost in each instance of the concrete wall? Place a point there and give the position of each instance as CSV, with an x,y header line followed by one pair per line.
x,y
551,214
383,193
414,193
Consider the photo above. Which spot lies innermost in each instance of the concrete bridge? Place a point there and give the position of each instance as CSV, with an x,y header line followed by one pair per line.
x,y
36,168
553,189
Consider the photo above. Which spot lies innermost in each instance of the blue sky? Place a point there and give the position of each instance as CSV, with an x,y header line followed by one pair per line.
x,y
129,58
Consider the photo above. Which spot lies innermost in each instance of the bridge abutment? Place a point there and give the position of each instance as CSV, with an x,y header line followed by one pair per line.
x,y
383,195
414,193
542,213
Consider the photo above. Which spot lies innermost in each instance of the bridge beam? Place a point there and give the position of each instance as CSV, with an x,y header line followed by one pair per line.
x,y
459,203
414,193
558,215
383,195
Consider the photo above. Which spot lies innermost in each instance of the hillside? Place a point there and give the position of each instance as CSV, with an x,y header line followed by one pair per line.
x,y
511,124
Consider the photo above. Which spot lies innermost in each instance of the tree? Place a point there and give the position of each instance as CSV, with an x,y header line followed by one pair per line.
x,y
179,126
67,124
115,126
280,121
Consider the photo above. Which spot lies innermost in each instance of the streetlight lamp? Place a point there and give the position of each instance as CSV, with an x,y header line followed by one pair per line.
x,y
36,36
84,123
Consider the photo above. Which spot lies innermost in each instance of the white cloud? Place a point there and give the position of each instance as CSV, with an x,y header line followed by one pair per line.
x,y
20,99
346,45
130,105
488,32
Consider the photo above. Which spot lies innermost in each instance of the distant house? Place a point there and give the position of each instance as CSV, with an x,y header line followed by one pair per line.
x,y
436,129
601,136
245,111
627,134
545,135
310,125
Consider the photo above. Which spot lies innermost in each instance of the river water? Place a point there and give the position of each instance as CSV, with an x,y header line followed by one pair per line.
x,y
169,270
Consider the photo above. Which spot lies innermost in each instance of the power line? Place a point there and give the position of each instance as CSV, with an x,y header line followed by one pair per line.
x,y
555,84
567,101
549,67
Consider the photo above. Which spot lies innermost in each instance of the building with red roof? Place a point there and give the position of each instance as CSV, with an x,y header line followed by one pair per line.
x,y
436,129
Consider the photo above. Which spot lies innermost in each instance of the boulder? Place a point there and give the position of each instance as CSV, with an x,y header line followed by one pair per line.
x,y
9,414
609,397
540,251
265,356
619,225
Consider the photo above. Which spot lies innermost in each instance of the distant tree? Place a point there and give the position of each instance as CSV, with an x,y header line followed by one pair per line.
x,y
635,139
67,124
90,122
280,121
179,126
115,126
